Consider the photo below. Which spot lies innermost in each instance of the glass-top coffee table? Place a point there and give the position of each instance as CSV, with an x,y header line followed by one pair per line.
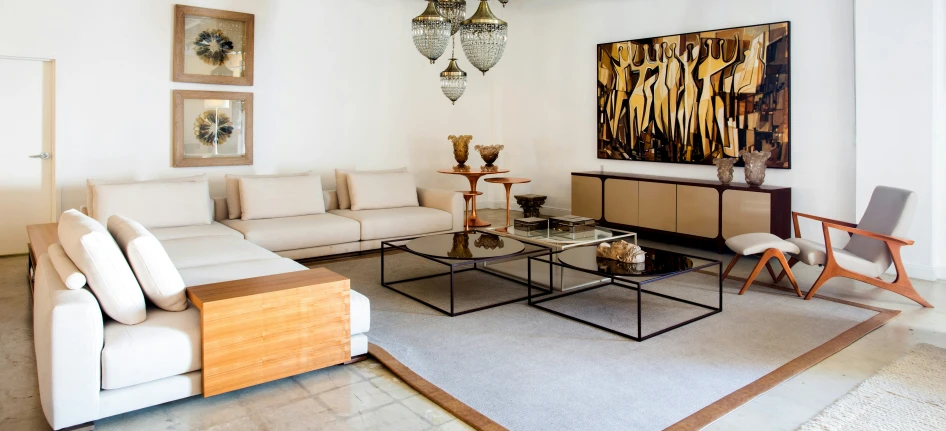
x,y
466,255
613,308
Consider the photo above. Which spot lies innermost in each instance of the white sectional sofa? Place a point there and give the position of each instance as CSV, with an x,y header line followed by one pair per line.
x,y
92,366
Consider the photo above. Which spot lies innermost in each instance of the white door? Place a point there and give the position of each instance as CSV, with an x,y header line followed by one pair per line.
x,y
26,130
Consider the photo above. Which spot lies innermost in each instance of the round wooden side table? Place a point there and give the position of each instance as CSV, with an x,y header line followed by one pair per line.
x,y
474,176
508,182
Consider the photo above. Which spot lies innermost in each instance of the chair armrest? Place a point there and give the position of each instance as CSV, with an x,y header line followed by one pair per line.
x,y
221,211
796,215
444,200
868,234
68,337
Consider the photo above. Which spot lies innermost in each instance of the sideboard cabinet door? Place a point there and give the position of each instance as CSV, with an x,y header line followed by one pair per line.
x,y
746,212
586,196
621,201
698,211
658,206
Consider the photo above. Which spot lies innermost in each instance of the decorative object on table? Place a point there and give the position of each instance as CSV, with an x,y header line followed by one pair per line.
x,y
724,169
461,247
489,153
461,149
530,204
530,226
755,166
484,38
473,176
431,32
572,226
508,182
213,46
212,128
467,196
710,120
621,251
770,246
489,242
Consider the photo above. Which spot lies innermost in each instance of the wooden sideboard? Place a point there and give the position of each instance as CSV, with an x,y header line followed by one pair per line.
x,y
696,210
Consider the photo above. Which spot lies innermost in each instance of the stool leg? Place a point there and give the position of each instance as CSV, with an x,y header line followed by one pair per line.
x,y
787,270
770,253
791,264
731,264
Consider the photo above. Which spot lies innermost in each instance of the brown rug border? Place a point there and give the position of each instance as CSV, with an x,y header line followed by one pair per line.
x,y
698,420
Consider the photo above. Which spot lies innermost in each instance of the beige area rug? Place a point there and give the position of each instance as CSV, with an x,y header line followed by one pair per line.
x,y
520,368
909,394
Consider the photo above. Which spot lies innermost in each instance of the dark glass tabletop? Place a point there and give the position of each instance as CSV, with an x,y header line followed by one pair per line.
x,y
658,262
465,246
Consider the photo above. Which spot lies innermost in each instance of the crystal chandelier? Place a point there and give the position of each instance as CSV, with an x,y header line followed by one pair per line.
x,y
453,79
431,32
484,38
454,11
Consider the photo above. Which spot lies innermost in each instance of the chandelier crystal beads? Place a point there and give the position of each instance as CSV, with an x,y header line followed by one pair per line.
x,y
431,32
454,11
484,38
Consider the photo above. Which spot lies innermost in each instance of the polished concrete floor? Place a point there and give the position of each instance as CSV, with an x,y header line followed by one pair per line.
x,y
366,396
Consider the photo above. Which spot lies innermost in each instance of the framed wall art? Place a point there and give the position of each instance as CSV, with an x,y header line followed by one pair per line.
x,y
213,46
692,98
212,128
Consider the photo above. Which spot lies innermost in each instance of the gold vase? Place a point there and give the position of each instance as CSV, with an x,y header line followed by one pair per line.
x,y
461,149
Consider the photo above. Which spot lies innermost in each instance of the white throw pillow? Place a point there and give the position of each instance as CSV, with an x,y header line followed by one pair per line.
x,y
234,206
156,273
341,183
96,254
281,197
378,191
156,205
68,272
91,183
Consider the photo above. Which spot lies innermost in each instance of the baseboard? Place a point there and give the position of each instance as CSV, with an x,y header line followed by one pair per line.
x,y
922,272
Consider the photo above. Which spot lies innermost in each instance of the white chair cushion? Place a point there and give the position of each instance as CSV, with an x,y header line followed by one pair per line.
x,y
264,198
360,313
399,222
293,233
341,183
67,270
96,254
159,280
233,191
213,229
91,183
755,243
813,253
209,274
165,345
213,250
381,191
155,205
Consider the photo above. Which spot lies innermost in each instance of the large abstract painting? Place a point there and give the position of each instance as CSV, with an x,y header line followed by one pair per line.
x,y
696,97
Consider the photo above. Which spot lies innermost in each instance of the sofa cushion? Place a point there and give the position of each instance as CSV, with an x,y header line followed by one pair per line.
x,y
233,191
213,250
379,191
264,198
91,183
159,280
213,229
341,184
67,270
165,345
96,254
293,233
360,313
199,275
155,205
399,222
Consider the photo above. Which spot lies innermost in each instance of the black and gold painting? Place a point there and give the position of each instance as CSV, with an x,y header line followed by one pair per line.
x,y
696,97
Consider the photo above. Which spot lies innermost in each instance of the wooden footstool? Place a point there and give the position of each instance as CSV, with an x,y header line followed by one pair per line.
x,y
769,246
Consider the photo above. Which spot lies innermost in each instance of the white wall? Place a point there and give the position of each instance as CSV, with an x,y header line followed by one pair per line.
x,y
338,85
900,115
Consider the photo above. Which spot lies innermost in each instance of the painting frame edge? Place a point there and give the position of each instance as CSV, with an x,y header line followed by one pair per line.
x,y
177,129
248,20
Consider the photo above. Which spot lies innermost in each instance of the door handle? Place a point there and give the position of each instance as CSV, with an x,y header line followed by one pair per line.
x,y
44,155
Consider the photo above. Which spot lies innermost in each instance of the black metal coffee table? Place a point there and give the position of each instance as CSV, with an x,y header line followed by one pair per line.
x,y
659,265
463,252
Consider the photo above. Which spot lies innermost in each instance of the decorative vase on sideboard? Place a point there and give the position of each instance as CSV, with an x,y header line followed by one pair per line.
x,y
724,169
755,166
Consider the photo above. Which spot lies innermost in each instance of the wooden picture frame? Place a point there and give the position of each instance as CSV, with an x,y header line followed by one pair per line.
x,y
186,129
184,63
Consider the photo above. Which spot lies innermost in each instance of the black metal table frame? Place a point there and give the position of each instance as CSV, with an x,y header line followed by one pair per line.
x,y
623,281
454,264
